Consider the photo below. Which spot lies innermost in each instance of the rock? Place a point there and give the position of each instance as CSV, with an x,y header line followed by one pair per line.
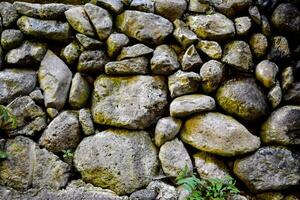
x,y
211,48
29,166
79,20
145,27
181,83
238,55
265,26
101,20
174,157
286,18
142,5
115,42
92,62
211,74
198,7
132,66
170,9
270,196
79,92
287,78
11,38
166,129
113,103
183,35
52,112
1,56
279,49
212,27
282,126
218,134
88,43
37,96
231,7
134,51
190,59
165,191
254,14
63,133
55,80
266,72
45,29
42,11
242,25
190,104
275,95
29,54
71,52
258,44
8,13
242,98
86,122
269,168
15,83
143,194
164,60
209,166
113,158
30,118
115,6
293,94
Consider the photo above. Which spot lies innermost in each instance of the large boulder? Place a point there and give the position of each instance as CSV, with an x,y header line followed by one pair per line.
x,y
120,160
218,134
133,102
16,82
55,80
269,168
145,27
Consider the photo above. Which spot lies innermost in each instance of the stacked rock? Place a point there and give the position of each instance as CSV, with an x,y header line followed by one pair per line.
x,y
140,89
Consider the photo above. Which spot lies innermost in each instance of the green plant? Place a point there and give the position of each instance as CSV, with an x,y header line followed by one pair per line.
x,y
68,154
7,120
210,189
3,155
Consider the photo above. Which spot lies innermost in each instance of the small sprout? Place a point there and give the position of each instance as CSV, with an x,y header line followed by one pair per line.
x,y
7,120
68,154
3,155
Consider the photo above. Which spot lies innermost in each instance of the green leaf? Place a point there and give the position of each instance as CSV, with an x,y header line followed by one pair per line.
x,y
3,155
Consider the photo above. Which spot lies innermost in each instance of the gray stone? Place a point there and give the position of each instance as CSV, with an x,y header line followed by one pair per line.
x,y
71,52
92,62
183,35
165,191
52,112
170,9
115,42
164,60
79,92
269,168
29,166
238,55
142,5
88,43
254,14
275,95
190,104
86,122
166,129
211,48
143,194
181,83
266,72
198,7
37,96
145,27
279,49
79,20
287,78
242,25
212,27
132,66
8,13
270,196
113,103
292,95
16,82
174,158
1,56
211,74
219,134
281,126
231,7
242,98
265,26
134,51
101,20
29,54
115,6
190,59
258,44
45,29
11,38
63,133
55,80
42,11
118,159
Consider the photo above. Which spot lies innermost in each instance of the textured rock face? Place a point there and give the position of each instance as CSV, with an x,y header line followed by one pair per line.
x,y
231,7
113,104
170,9
120,160
11,38
270,168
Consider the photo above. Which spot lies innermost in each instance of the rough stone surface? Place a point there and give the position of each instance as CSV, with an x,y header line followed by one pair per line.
x,y
11,38
259,44
279,49
88,43
170,9
165,191
86,121
115,6
218,134
231,7
79,92
132,66
134,51
190,59
275,95
71,52
115,42
142,5
120,160
113,103
242,25
92,62
210,48
183,35
292,95
8,14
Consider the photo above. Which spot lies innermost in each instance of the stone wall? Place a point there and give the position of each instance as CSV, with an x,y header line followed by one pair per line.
x,y
114,98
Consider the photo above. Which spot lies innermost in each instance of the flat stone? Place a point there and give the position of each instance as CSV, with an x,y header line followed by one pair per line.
x,y
115,6
211,48
219,134
11,38
145,27
92,62
113,103
190,104
88,43
190,59
183,35
266,72
79,92
134,51
86,121
170,9
8,14
115,42
132,66
242,25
